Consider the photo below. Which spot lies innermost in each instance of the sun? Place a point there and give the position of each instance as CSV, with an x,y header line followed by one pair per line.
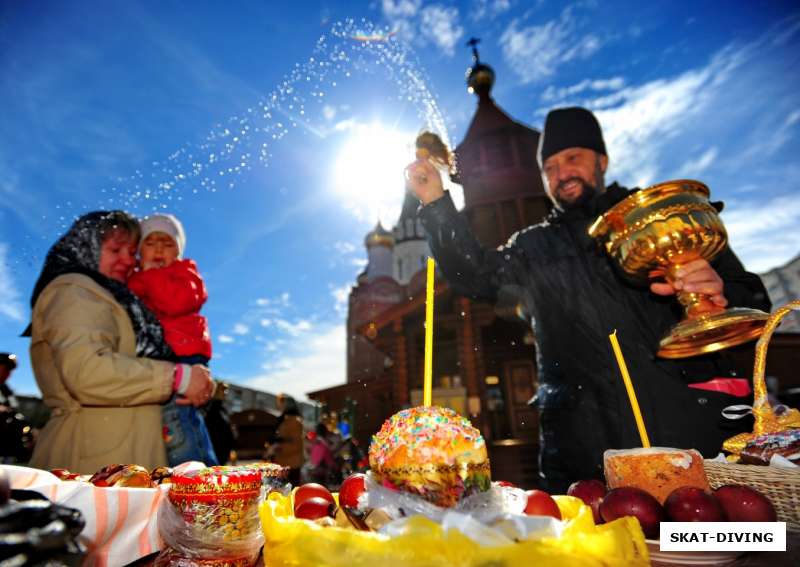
x,y
369,170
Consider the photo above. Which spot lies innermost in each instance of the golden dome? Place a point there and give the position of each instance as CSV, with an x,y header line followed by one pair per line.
x,y
379,236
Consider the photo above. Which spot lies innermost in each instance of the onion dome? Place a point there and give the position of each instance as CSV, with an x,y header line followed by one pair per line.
x,y
379,236
480,77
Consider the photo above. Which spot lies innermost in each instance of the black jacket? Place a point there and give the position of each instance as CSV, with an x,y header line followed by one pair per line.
x,y
575,299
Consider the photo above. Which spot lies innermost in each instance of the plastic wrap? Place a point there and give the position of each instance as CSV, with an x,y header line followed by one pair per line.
x,y
483,506
210,517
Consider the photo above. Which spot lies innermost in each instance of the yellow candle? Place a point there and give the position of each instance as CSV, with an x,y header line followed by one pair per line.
x,y
623,368
427,389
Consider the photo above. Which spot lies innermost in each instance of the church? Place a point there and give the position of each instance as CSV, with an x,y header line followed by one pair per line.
x,y
483,361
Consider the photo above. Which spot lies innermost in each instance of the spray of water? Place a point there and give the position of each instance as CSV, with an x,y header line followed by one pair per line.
x,y
298,102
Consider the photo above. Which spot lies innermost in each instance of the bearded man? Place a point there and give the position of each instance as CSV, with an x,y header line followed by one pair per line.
x,y
575,299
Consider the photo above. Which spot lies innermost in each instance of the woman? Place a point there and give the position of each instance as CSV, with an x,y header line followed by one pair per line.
x,y
99,355
287,449
321,466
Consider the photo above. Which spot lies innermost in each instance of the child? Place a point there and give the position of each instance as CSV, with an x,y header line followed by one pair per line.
x,y
173,289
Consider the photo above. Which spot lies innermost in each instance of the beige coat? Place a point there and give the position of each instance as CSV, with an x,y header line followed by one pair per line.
x,y
289,450
104,399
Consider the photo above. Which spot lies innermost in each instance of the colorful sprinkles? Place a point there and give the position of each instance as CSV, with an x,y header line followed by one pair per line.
x,y
423,432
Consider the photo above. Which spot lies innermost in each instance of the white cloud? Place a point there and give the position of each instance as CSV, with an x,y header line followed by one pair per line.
x,y
341,297
10,304
328,112
434,24
653,114
696,166
535,52
226,339
764,234
280,301
320,362
344,125
400,8
241,329
294,329
489,9
265,322
344,247
439,25
613,84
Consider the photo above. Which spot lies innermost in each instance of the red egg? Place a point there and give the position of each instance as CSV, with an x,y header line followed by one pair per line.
x,y
314,508
630,501
744,504
692,504
352,488
592,493
540,503
312,490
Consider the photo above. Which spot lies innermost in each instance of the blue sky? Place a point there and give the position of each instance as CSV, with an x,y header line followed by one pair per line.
x,y
279,139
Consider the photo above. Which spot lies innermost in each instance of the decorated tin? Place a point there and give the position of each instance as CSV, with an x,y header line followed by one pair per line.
x,y
211,518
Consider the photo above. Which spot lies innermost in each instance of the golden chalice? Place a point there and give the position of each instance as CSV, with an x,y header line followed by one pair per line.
x,y
651,234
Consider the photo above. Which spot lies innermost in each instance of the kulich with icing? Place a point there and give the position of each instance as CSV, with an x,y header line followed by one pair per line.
x,y
657,470
433,452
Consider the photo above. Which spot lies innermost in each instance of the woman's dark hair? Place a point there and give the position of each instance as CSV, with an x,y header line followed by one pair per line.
x,y
322,430
114,221
78,251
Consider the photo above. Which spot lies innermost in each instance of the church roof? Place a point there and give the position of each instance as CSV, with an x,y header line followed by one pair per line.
x,y
379,236
409,212
496,160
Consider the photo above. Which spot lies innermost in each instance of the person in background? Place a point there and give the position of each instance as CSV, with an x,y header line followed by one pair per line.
x,y
574,298
99,355
8,362
219,425
287,448
173,289
321,466
15,430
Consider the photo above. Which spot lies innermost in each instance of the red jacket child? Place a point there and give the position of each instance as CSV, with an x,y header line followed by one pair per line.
x,y
171,287
176,294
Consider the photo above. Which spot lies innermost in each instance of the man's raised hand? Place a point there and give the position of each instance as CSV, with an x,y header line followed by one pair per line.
x,y
424,181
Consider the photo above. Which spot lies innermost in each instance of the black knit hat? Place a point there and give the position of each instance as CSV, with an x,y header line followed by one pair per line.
x,y
572,127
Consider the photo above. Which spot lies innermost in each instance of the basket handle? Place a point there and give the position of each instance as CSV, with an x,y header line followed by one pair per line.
x,y
765,419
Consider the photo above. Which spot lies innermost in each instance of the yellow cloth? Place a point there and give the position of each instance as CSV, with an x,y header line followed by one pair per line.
x,y
289,541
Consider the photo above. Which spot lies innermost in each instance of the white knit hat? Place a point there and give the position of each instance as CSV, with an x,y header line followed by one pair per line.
x,y
167,224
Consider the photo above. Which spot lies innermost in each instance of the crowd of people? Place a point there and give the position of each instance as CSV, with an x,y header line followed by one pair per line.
x,y
121,352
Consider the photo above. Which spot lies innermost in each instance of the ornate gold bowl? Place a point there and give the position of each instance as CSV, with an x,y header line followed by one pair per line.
x,y
655,231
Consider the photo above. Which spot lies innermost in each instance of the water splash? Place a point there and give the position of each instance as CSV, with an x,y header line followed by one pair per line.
x,y
298,103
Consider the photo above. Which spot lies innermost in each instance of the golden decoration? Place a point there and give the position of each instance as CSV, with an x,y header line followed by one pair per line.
x,y
655,231
766,420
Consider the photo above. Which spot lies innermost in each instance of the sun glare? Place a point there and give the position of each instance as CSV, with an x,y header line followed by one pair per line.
x,y
369,171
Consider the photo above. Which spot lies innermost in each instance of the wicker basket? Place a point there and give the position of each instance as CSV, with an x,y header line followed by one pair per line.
x,y
780,485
